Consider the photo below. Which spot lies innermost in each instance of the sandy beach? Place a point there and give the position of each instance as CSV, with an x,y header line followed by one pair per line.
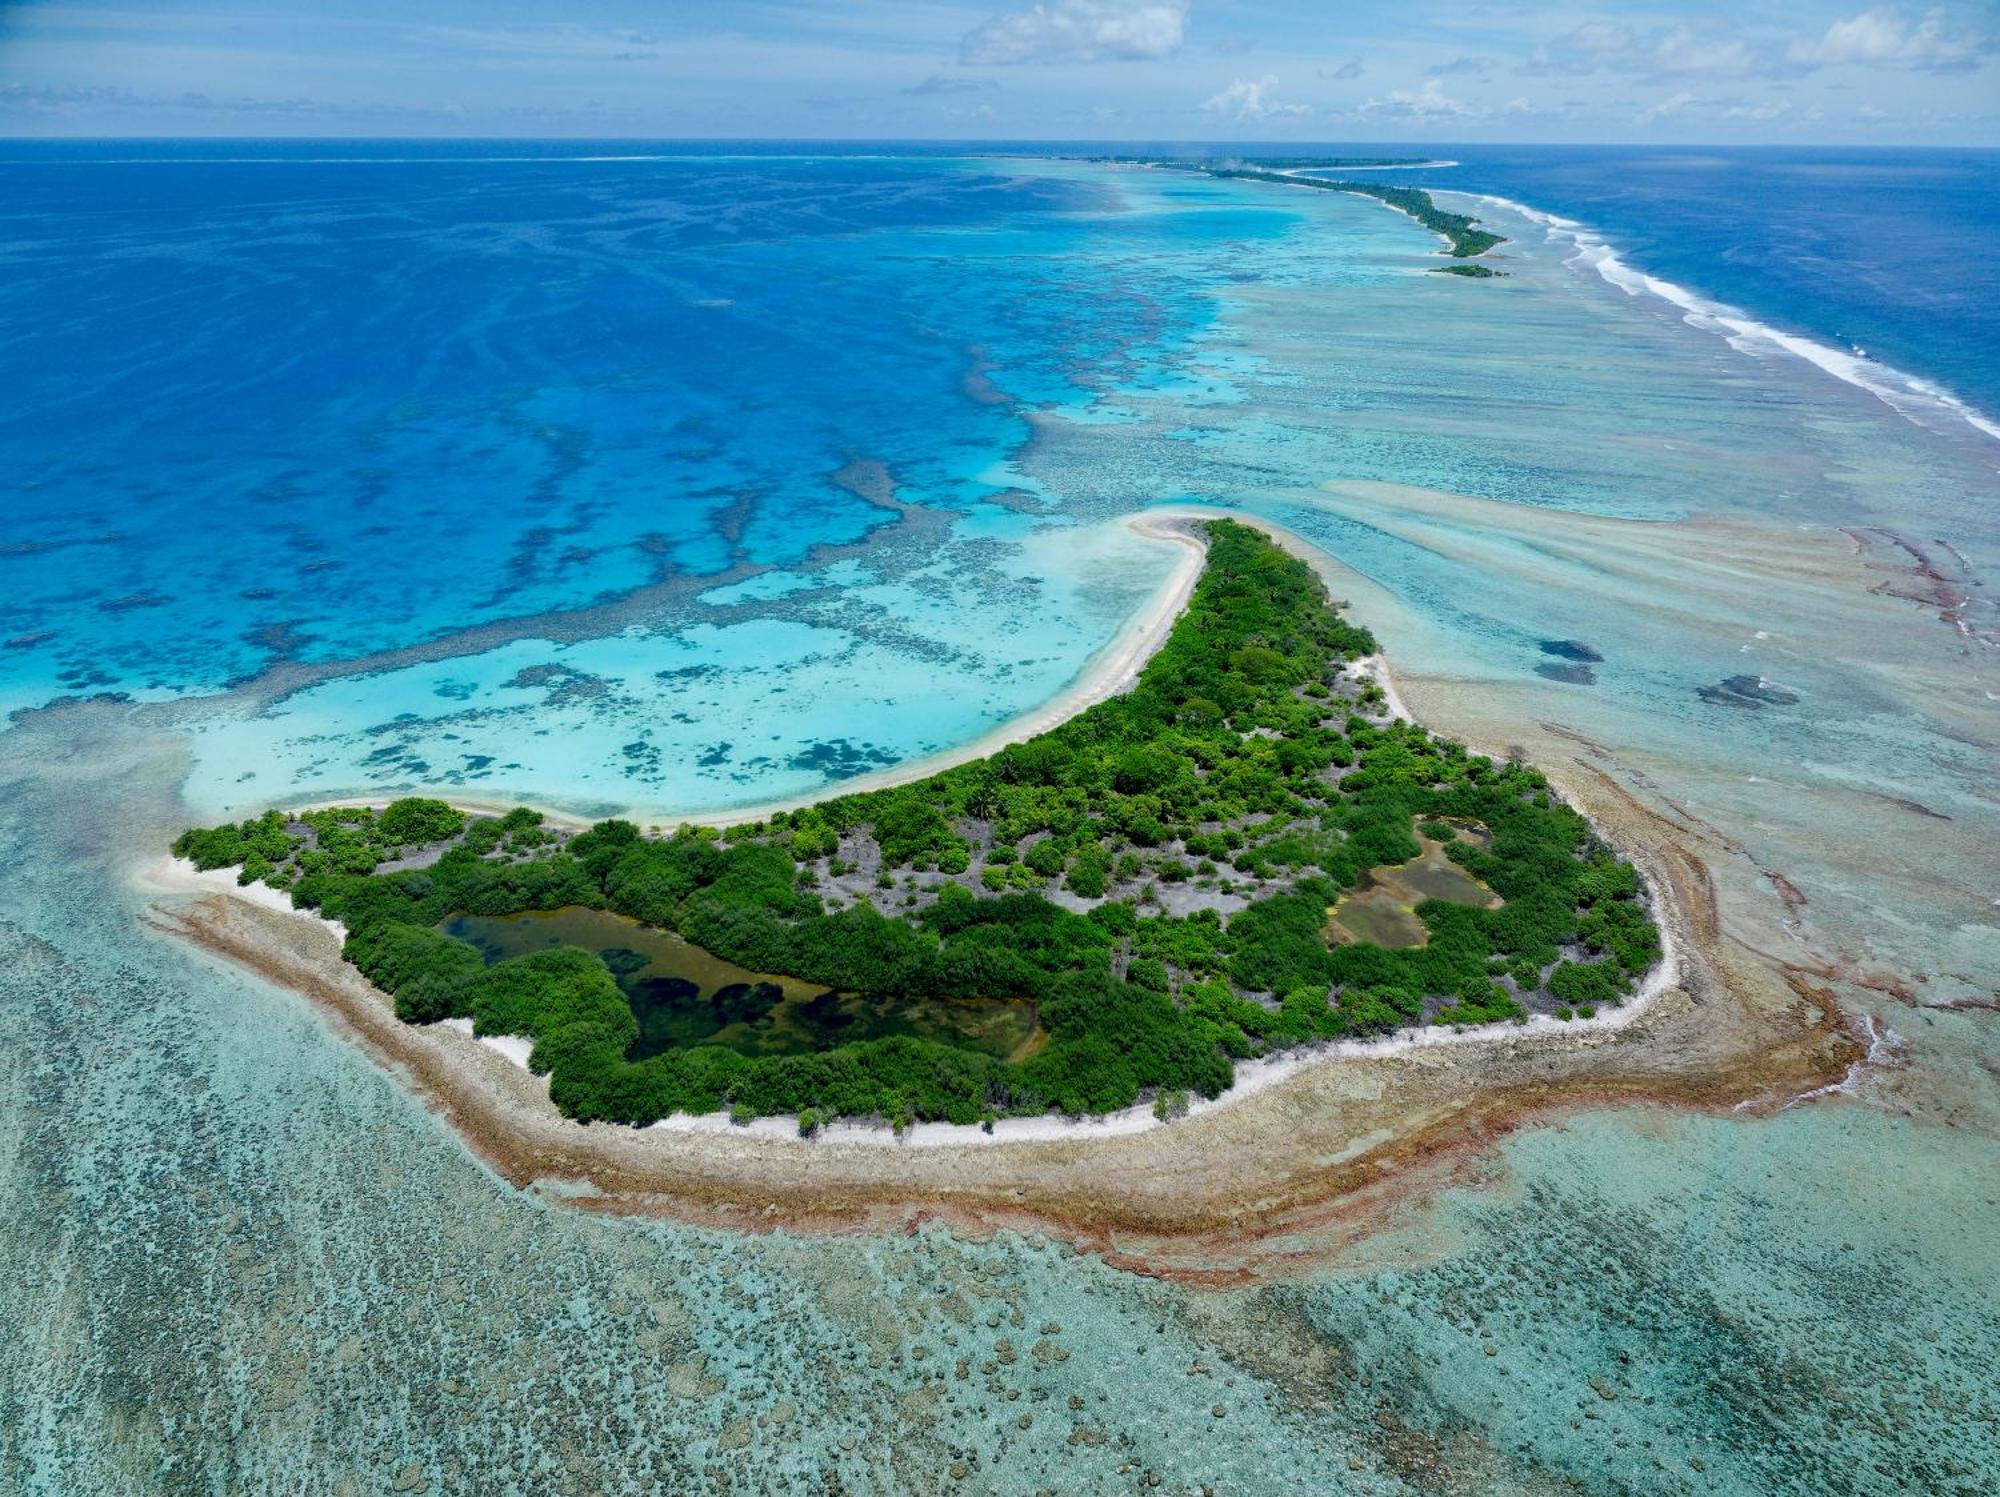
x,y
1111,671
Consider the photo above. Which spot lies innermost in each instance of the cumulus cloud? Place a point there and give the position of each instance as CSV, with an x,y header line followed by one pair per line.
x,y
1427,103
37,99
1680,51
1079,31
1884,38
1685,51
1247,100
1769,109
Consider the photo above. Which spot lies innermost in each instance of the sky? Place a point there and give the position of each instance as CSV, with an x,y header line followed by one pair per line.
x,y
1777,71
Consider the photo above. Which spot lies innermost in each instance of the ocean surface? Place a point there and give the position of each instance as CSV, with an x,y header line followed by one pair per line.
x,y
1879,249
617,477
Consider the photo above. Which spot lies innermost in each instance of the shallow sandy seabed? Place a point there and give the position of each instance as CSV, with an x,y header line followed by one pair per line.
x,y
1285,1173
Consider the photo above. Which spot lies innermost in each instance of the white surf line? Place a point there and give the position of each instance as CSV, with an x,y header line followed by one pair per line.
x,y
1910,396
1885,1049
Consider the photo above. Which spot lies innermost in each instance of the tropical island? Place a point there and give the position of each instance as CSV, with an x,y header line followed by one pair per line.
x,y
1248,851
1460,231
1273,163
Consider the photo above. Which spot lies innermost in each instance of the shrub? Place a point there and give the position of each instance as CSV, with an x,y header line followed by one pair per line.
x,y
415,820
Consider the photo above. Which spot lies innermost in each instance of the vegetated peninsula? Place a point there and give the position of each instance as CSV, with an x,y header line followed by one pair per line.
x,y
1460,231
1271,163
1243,853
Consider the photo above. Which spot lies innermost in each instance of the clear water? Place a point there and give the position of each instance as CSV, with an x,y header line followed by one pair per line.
x,y
1880,248
680,484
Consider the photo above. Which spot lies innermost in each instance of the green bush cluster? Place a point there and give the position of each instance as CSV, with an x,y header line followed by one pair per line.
x,y
340,839
1466,238
1235,755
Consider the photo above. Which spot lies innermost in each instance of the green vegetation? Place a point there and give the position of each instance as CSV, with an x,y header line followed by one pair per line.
x,y
1476,272
1466,238
1267,163
342,839
1155,875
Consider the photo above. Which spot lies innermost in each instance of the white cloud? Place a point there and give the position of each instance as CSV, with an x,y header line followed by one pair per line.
x,y
1666,109
1427,103
1682,51
1459,66
1884,38
1687,105
1770,109
1079,31
1245,100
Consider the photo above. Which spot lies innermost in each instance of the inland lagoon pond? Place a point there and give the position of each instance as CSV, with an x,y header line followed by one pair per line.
x,y
682,995
1384,909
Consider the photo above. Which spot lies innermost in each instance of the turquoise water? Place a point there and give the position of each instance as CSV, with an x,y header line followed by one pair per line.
x,y
617,556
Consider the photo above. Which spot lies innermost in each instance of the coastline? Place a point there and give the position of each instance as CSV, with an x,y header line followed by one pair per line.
x,y
1300,1155
1110,672
1908,395
1460,231
1311,1136
1107,673
174,875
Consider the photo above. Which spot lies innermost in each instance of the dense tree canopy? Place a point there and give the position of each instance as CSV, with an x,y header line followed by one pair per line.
x,y
1156,875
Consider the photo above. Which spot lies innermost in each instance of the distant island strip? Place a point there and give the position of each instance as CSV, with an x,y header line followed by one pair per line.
x,y
1460,231
1247,851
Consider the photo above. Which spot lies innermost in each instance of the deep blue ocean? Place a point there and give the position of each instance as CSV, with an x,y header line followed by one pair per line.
x,y
225,358
1885,247
1889,249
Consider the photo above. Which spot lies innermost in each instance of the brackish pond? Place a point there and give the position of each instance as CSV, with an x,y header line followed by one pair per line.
x,y
1383,910
682,995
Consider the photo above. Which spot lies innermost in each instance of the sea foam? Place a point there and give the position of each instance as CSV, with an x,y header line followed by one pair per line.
x,y
1918,400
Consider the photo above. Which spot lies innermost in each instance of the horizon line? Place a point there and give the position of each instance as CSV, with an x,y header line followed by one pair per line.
x,y
1433,146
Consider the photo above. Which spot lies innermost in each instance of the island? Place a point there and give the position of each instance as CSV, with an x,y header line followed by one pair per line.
x,y
1275,163
1249,851
1461,232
